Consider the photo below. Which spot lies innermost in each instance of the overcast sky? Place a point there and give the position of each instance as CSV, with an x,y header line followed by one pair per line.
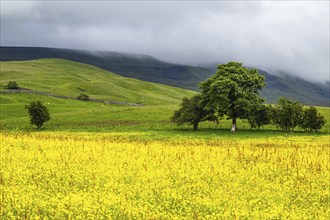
x,y
292,36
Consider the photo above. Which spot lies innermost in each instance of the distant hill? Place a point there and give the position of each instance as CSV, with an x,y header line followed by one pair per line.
x,y
150,69
294,87
67,78
137,66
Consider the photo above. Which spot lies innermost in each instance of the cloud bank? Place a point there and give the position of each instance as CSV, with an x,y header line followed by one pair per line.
x,y
290,36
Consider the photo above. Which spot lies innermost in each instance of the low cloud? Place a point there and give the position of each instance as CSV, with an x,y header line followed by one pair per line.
x,y
285,36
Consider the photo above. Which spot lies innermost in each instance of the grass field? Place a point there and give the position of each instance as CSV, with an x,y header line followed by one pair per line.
x,y
73,115
68,78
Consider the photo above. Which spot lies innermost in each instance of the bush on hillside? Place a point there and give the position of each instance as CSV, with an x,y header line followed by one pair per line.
x,y
83,97
38,113
12,85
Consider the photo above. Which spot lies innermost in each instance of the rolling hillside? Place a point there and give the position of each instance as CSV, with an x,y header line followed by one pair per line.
x,y
137,66
150,69
68,78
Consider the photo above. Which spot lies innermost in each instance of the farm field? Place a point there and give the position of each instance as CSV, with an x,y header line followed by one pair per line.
x,y
104,161
132,175
74,115
164,110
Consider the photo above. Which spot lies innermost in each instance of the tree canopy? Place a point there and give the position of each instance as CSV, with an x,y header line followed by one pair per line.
x,y
259,116
287,114
192,111
311,120
232,91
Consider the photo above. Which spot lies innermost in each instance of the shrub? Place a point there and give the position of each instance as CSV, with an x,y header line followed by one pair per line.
x,y
12,85
83,97
38,113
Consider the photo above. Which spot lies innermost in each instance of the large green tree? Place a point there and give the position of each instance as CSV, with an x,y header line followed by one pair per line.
x,y
192,111
232,91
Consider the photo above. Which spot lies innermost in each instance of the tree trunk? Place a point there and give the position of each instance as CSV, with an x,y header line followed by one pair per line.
x,y
234,126
195,126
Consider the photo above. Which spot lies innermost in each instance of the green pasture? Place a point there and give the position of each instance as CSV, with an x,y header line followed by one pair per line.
x,y
62,77
68,78
74,115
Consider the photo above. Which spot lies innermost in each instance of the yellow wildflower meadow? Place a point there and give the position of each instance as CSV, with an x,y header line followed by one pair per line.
x,y
57,175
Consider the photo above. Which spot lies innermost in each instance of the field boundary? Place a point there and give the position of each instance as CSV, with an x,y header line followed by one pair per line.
x,y
27,91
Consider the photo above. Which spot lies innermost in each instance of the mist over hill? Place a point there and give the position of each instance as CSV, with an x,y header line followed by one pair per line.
x,y
148,68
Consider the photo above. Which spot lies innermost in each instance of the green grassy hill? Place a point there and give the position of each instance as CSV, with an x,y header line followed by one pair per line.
x,y
68,78
138,66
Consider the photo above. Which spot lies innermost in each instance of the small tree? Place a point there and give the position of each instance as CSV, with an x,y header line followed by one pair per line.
x,y
12,85
83,97
192,112
38,113
259,116
287,114
311,120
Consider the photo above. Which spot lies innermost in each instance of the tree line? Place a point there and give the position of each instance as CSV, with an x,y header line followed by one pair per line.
x,y
233,92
